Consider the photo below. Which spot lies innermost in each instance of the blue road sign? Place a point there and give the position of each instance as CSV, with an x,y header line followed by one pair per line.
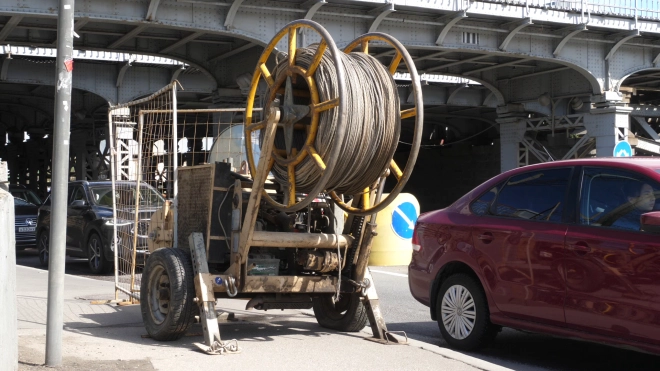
x,y
404,217
622,149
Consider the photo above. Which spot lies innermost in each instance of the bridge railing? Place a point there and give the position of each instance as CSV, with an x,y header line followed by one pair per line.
x,y
638,9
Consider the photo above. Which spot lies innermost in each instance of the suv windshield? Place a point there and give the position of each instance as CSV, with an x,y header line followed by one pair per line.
x,y
102,195
26,195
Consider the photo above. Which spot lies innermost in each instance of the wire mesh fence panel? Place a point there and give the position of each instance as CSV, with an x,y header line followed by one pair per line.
x,y
147,150
133,200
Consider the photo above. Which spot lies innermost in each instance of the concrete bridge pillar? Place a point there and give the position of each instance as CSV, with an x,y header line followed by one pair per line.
x,y
512,128
609,124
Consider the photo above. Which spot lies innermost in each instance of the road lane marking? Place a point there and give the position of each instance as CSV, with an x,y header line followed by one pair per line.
x,y
390,273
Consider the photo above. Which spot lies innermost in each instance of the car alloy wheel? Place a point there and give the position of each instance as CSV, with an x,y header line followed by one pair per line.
x,y
95,253
462,313
458,312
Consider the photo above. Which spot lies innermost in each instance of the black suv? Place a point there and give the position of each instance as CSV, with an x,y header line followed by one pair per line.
x,y
89,231
26,204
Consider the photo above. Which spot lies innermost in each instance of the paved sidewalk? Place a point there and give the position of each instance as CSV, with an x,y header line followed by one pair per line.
x,y
109,337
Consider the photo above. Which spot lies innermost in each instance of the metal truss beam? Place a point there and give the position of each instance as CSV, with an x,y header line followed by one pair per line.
x,y
527,75
515,27
496,66
182,42
4,68
634,33
232,53
381,12
134,32
231,14
9,26
312,7
454,92
641,121
122,73
568,36
428,56
584,141
450,21
151,11
447,65
656,60
176,73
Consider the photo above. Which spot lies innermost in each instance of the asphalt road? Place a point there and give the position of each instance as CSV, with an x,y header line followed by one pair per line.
x,y
513,349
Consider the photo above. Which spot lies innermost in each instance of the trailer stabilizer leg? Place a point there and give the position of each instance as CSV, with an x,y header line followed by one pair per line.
x,y
205,299
376,320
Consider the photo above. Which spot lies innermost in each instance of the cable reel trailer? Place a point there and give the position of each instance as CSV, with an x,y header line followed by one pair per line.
x,y
328,133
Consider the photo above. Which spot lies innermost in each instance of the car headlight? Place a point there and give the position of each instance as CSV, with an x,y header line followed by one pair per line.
x,y
118,223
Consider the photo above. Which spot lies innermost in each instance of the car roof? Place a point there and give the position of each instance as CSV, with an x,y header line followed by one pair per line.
x,y
621,162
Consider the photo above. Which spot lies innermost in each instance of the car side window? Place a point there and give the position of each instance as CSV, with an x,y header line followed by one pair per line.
x,y
481,205
537,195
616,198
77,194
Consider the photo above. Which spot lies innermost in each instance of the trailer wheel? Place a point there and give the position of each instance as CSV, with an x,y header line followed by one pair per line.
x,y
348,314
166,294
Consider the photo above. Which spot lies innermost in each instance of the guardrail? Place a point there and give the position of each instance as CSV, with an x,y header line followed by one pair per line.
x,y
637,9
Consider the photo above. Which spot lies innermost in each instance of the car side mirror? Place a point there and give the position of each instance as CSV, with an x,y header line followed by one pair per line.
x,y
79,203
651,222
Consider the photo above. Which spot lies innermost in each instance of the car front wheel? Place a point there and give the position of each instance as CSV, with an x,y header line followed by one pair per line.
x,y
96,255
462,312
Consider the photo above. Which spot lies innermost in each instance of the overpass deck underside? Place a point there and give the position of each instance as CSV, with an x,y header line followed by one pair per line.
x,y
481,60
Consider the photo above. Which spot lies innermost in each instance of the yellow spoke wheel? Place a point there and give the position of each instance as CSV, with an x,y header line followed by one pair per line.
x,y
289,159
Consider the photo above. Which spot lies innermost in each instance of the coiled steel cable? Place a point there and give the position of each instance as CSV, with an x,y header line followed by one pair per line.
x,y
373,124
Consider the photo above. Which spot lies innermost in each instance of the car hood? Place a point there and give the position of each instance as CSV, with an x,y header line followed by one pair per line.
x,y
26,210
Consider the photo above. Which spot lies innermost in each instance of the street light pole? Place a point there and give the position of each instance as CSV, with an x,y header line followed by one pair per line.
x,y
59,183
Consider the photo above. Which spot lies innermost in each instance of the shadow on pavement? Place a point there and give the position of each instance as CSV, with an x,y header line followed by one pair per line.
x,y
125,325
513,349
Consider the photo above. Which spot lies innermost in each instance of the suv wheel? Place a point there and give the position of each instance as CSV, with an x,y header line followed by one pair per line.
x,y
462,312
96,255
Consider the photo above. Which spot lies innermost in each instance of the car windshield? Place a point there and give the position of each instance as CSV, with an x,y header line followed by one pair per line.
x,y
148,196
26,196
21,202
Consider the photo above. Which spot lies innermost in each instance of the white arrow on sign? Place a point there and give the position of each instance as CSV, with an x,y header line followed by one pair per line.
x,y
411,224
622,153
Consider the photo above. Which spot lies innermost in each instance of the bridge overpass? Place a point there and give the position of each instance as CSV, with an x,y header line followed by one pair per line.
x,y
506,82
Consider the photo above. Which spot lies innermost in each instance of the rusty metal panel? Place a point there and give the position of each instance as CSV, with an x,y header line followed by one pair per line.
x,y
193,201
289,284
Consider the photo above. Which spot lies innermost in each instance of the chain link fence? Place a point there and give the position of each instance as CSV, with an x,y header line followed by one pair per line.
x,y
150,139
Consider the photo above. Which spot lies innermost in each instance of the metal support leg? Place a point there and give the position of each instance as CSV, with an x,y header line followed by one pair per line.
x,y
205,296
206,300
376,320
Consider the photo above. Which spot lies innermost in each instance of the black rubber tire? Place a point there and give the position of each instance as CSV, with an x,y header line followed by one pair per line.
x,y
483,332
177,265
348,315
101,264
43,243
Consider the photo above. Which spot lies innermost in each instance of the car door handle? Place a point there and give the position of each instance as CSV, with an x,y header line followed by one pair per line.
x,y
486,237
579,248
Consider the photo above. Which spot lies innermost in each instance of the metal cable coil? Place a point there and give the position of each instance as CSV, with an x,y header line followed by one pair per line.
x,y
373,123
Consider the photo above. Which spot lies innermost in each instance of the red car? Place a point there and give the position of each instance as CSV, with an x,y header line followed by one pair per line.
x,y
568,248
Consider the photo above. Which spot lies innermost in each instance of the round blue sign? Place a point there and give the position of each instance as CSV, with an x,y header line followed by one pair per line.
x,y
404,217
218,281
622,149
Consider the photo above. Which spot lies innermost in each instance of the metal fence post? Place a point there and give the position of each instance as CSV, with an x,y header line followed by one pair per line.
x,y
175,165
60,180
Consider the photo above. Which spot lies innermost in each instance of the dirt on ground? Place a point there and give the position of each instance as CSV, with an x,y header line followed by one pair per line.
x,y
30,359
